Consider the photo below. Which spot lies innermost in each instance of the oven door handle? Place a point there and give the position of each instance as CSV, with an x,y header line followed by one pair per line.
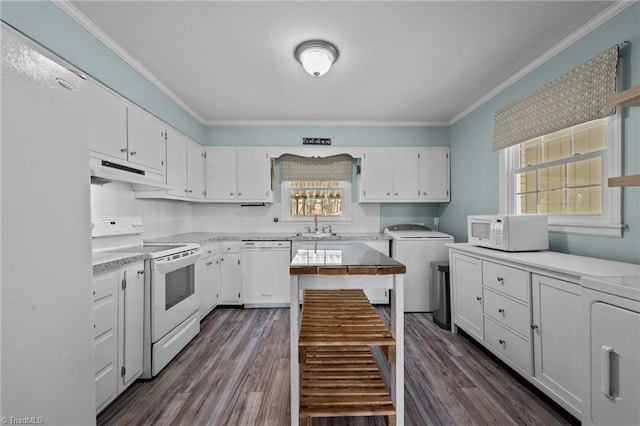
x,y
167,264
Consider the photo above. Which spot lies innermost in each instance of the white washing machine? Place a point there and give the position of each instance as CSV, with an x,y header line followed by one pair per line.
x,y
416,246
611,314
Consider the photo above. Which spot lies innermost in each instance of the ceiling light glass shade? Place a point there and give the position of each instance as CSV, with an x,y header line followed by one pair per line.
x,y
316,56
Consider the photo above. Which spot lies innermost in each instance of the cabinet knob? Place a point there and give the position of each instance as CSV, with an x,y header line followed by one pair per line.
x,y
231,193
478,298
190,191
123,150
133,153
424,193
395,193
534,327
388,193
239,194
500,280
501,341
500,310
186,190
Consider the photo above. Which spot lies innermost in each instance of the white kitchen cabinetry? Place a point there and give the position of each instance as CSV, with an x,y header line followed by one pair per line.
x,y
466,291
124,134
405,175
208,280
557,333
230,289
118,312
434,174
238,175
185,167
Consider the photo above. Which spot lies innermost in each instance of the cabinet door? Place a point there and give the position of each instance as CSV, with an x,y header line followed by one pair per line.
x,y
377,175
105,327
557,337
405,175
107,123
130,330
466,285
229,279
146,137
221,174
254,175
195,170
434,175
176,164
615,365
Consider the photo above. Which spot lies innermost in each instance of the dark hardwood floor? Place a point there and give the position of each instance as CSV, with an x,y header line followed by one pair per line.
x,y
236,372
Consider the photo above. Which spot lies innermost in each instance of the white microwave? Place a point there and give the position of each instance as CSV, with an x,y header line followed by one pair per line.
x,y
509,232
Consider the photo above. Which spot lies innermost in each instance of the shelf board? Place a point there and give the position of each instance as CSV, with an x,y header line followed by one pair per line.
x,y
630,97
630,180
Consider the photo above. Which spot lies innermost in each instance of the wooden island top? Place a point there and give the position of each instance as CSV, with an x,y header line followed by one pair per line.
x,y
342,259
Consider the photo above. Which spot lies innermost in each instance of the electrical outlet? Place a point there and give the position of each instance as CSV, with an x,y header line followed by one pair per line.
x,y
436,221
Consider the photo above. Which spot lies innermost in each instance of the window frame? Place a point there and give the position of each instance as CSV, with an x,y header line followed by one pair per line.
x,y
609,222
285,203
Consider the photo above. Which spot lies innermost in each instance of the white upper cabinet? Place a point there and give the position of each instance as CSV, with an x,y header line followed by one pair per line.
x,y
185,166
146,138
405,175
107,123
434,174
238,175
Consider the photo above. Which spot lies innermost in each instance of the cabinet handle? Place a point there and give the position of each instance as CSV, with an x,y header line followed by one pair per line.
x,y
500,280
500,310
502,342
231,193
209,263
133,153
239,194
424,193
123,150
388,193
395,193
478,298
140,272
190,191
534,327
186,190
605,370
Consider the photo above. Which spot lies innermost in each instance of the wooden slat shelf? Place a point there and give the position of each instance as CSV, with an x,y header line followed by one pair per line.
x,y
630,97
630,180
343,382
340,376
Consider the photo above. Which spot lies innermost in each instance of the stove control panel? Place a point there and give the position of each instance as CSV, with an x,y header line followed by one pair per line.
x,y
122,225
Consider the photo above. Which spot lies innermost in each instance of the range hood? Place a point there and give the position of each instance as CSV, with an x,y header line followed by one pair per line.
x,y
104,171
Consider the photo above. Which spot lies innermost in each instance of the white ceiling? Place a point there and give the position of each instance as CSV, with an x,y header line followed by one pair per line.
x,y
413,62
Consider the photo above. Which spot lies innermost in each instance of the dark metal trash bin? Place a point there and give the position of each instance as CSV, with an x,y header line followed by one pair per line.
x,y
440,282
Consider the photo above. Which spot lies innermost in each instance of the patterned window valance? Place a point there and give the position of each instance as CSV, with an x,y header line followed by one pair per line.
x,y
574,98
335,167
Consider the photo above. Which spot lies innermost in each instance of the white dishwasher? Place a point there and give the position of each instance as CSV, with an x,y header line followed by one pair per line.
x,y
265,273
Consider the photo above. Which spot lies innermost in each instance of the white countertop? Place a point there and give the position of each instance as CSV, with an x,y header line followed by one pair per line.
x,y
209,237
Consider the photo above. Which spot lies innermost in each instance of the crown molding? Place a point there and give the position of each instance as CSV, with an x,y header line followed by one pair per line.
x,y
322,123
94,30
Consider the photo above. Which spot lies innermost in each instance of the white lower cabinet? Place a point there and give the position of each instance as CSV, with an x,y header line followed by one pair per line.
x,y
230,289
208,279
466,291
530,320
557,333
118,314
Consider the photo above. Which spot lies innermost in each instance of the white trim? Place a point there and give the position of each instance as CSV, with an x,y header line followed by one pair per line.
x,y
94,30
613,231
594,23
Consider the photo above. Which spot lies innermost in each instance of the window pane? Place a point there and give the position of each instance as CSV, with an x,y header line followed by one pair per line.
x,y
315,198
585,200
552,202
527,181
528,203
552,177
586,172
531,152
588,138
558,147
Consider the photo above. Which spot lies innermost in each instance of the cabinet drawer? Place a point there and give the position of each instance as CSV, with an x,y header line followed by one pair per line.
x,y
105,351
106,384
105,317
105,284
506,279
508,343
507,312
209,250
230,247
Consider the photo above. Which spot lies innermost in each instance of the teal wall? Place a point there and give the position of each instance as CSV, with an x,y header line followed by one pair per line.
x,y
48,25
474,177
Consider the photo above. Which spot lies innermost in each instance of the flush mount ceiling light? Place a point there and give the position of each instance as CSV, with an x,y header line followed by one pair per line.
x,y
316,56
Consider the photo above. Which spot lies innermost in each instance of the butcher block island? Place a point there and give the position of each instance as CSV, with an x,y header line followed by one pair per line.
x,y
333,370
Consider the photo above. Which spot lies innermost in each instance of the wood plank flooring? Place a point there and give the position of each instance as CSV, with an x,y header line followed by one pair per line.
x,y
236,372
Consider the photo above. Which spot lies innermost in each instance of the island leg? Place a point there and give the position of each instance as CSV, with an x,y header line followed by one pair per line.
x,y
294,334
397,329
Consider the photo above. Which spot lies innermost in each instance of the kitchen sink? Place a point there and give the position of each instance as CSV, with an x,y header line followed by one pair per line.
x,y
315,234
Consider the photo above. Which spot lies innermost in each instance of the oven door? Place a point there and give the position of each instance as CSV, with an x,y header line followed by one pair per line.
x,y
173,293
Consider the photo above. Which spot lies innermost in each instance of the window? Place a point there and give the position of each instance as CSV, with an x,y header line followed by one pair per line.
x,y
564,175
302,200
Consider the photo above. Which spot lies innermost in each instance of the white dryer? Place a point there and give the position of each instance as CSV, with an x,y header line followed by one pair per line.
x,y
611,314
416,246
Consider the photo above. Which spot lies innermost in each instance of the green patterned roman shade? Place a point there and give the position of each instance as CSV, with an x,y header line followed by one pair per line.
x,y
574,98
333,168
